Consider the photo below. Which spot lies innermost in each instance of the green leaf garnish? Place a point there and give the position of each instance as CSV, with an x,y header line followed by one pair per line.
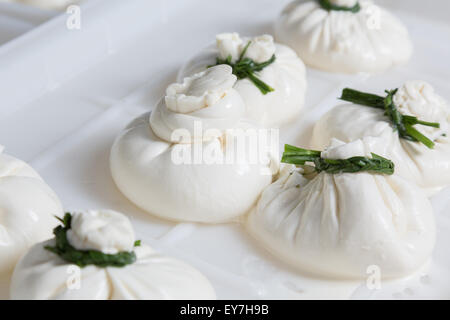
x,y
401,123
246,68
299,156
327,5
83,258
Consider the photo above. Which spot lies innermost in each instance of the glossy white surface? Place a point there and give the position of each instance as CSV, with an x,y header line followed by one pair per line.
x,y
126,71
209,191
180,162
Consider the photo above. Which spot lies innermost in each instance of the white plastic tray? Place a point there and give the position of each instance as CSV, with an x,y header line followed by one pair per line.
x,y
65,95
17,19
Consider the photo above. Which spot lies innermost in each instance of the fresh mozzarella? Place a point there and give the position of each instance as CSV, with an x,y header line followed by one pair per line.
x,y
200,91
417,98
261,48
287,76
207,98
339,225
371,40
27,210
106,231
175,163
42,274
427,168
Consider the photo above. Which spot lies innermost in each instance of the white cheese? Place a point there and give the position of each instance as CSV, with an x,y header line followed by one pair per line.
x,y
201,90
27,210
261,48
427,168
229,44
106,231
340,150
287,76
41,274
369,41
339,225
200,175
207,98
417,98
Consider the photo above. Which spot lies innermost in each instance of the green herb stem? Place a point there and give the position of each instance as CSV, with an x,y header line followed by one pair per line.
x,y
246,67
261,85
413,120
295,155
401,123
299,156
